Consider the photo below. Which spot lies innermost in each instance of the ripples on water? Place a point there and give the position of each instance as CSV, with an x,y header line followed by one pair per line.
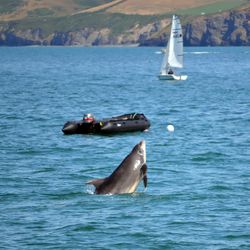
x,y
198,190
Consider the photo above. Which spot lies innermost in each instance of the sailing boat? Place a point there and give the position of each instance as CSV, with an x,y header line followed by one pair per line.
x,y
173,55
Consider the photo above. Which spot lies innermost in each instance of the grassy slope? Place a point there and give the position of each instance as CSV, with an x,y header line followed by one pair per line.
x,y
117,22
46,19
68,7
60,7
19,9
86,4
8,6
220,6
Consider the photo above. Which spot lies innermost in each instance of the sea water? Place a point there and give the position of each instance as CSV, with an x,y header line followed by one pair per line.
x,y
198,175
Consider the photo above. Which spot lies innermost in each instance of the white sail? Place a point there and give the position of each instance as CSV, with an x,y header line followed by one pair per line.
x,y
175,56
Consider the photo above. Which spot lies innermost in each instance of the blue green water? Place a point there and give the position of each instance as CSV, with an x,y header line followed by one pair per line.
x,y
198,176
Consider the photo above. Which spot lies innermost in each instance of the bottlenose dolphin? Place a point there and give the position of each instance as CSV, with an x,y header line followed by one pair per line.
x,y
127,176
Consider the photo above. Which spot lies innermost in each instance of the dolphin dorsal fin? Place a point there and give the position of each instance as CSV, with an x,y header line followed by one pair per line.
x,y
96,182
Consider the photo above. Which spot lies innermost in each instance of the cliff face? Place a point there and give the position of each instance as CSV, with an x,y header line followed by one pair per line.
x,y
230,28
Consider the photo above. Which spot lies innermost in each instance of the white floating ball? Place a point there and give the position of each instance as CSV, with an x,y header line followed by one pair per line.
x,y
170,128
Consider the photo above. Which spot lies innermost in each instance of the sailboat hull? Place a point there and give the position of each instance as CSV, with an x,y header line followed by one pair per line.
x,y
172,77
166,77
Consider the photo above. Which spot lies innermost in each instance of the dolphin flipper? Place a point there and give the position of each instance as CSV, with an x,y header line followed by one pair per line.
x,y
144,172
96,182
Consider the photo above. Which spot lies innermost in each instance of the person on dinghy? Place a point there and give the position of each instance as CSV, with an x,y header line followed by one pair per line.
x,y
88,118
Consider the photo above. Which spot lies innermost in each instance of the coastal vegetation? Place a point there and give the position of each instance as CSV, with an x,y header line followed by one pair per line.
x,y
213,8
22,9
8,6
86,4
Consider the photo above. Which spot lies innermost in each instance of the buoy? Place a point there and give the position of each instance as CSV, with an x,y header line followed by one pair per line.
x,y
170,128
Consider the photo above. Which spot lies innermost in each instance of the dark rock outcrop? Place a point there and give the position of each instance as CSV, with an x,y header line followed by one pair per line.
x,y
219,30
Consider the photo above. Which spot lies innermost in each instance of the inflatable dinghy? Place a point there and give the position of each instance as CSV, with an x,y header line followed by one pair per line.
x,y
124,123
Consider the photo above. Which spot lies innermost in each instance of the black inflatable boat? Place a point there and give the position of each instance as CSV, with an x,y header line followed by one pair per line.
x,y
124,123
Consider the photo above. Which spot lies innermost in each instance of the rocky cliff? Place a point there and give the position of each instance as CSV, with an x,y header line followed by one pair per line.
x,y
228,28
232,28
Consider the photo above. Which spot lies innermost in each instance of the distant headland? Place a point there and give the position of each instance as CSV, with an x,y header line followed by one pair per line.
x,y
123,22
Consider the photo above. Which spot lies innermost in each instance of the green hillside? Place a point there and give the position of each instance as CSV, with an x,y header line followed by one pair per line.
x,y
117,22
86,4
23,9
48,21
208,9
8,6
